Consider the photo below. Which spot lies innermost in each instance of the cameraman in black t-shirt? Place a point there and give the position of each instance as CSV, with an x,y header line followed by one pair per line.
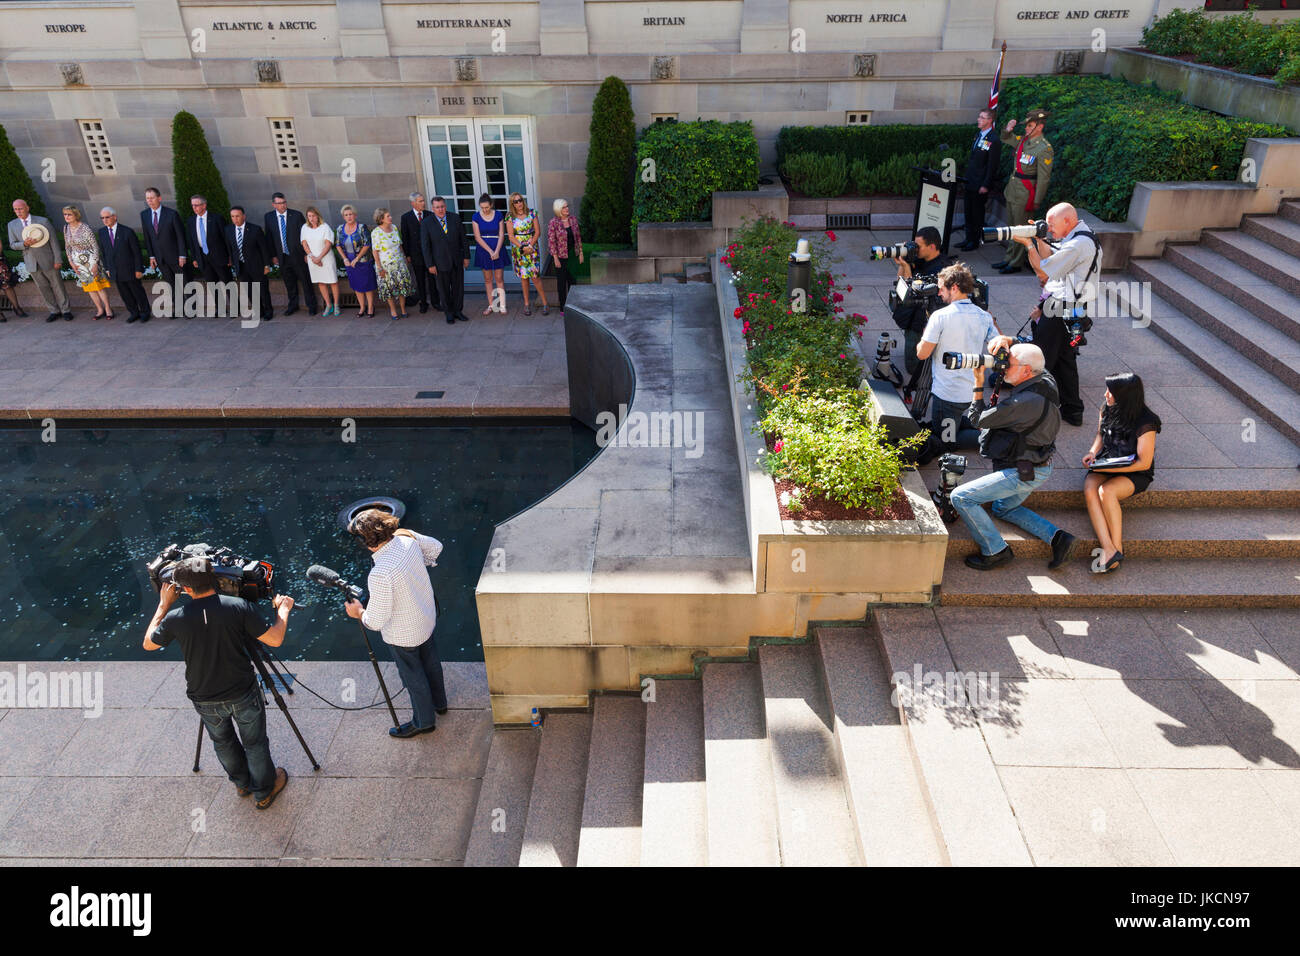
x,y
215,631
913,311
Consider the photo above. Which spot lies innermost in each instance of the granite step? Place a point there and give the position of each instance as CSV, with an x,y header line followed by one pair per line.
x,y
674,810
554,821
497,837
1159,582
741,797
1233,325
974,822
1280,232
813,818
1290,209
611,806
1264,260
1271,398
1160,533
887,801
1241,285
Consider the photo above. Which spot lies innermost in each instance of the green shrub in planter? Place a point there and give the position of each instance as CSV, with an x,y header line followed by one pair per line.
x,y
874,144
1241,43
689,161
193,168
859,175
14,181
814,174
607,203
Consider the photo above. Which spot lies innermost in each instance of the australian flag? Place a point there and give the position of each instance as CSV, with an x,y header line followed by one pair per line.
x,y
997,79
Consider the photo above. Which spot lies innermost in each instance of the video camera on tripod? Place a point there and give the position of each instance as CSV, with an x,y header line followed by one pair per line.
x,y
236,576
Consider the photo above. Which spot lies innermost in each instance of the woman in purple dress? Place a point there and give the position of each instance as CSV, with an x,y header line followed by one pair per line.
x,y
489,240
353,244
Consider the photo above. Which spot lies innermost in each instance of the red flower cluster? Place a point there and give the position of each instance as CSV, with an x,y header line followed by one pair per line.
x,y
831,235
740,310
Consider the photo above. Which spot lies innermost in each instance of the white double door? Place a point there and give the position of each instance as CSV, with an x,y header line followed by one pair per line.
x,y
465,157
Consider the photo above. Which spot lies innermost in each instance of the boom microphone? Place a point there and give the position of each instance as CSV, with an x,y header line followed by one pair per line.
x,y
330,578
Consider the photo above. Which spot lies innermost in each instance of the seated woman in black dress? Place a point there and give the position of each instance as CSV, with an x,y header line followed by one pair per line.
x,y
1126,427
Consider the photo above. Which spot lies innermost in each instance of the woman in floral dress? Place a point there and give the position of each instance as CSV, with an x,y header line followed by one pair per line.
x,y
83,255
395,280
524,234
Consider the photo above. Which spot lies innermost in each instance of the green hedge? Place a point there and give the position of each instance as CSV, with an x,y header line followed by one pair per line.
x,y
690,161
1108,135
15,183
828,175
874,144
1241,43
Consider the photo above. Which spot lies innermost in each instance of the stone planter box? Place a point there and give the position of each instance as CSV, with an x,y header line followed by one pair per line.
x,y
1211,88
881,561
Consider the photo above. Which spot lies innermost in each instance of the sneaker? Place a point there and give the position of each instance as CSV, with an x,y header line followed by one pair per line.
x,y
281,781
987,562
1062,548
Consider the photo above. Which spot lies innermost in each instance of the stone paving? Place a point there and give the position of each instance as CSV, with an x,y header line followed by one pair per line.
x,y
119,789
301,365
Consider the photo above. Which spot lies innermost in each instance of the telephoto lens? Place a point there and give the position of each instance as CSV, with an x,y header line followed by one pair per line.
x,y
1034,230
956,360
899,250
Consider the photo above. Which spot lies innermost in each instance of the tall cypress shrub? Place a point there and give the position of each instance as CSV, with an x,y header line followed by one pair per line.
x,y
193,168
607,206
14,181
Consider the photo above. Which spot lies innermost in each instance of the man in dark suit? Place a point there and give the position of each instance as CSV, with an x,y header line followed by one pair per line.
x,y
250,257
981,173
446,253
425,286
164,237
206,231
119,252
283,232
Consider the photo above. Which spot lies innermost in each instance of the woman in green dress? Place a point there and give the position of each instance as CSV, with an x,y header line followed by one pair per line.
x,y
524,232
395,280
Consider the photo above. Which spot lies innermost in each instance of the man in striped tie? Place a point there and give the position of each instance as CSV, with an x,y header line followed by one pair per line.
x,y
250,257
282,227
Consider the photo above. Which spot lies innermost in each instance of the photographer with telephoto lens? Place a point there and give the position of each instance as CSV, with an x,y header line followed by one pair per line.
x,y
960,326
912,310
214,631
402,608
1069,274
1018,435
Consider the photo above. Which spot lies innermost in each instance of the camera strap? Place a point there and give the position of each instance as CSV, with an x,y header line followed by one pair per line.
x,y
1096,254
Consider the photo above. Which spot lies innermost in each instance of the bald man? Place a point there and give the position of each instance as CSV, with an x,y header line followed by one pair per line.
x,y
1069,274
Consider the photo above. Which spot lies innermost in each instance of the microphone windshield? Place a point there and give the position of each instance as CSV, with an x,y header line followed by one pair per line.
x,y
323,575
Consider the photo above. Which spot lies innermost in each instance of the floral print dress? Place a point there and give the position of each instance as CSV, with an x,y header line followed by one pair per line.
x,y
396,281
525,262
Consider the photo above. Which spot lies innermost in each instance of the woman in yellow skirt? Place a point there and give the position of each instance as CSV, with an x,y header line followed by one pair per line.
x,y
83,255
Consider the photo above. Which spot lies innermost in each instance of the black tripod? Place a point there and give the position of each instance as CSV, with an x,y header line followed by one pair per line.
x,y
263,660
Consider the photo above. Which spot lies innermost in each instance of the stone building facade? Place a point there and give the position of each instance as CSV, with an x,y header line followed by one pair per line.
x,y
361,101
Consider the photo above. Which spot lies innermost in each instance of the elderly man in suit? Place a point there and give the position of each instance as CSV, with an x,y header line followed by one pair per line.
x,y
164,237
119,251
446,254
250,256
413,248
43,261
283,231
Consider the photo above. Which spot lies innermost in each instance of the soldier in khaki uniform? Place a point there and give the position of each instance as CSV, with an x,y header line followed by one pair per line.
x,y
1027,188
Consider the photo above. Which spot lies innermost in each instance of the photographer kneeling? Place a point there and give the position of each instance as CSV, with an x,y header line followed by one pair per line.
x,y
911,313
214,631
1019,436
403,610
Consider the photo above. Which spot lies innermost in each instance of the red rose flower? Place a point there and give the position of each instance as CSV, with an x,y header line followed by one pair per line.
x,y
831,234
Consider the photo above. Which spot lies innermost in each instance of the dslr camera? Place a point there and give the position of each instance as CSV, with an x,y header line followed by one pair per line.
x,y
1034,230
997,364
908,251
236,576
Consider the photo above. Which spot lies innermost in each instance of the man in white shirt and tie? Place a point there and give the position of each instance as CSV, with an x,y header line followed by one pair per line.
x,y
426,289
119,251
403,609
283,228
207,239
250,258
43,261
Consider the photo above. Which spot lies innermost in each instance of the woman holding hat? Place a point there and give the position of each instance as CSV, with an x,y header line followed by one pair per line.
x,y
83,255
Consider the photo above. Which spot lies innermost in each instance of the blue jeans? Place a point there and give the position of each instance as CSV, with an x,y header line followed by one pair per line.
x,y
421,672
1005,489
248,765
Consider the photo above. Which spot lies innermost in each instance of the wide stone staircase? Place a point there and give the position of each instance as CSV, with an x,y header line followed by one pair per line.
x,y
1214,536
796,757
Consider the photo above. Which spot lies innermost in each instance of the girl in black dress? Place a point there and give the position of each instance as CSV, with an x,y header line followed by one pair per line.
x,y
1125,427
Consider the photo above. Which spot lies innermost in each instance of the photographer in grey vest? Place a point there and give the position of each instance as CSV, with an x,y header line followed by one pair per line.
x,y
43,261
1069,273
